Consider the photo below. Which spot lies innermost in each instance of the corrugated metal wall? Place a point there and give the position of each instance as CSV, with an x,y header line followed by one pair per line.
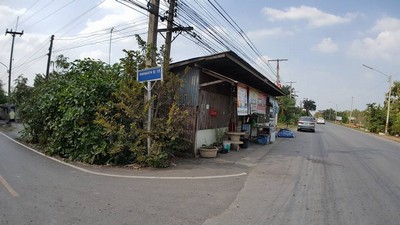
x,y
223,106
200,100
189,100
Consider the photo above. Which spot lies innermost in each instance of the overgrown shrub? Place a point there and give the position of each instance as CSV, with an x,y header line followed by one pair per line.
x,y
95,113
61,116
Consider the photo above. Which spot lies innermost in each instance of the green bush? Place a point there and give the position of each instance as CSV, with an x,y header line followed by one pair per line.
x,y
95,113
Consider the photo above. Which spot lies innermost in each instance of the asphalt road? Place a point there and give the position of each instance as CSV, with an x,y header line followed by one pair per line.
x,y
333,176
37,190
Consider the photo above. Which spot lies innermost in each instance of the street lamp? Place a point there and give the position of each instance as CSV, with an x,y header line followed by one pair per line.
x,y
390,93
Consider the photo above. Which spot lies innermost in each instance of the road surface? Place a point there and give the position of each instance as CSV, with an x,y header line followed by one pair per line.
x,y
333,176
37,190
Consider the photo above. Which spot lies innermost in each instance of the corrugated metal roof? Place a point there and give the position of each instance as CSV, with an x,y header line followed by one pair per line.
x,y
230,65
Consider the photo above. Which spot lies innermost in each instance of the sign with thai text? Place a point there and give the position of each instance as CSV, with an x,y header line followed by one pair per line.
x,y
150,74
242,107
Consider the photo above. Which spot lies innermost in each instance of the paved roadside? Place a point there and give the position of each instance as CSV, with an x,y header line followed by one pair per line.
x,y
234,163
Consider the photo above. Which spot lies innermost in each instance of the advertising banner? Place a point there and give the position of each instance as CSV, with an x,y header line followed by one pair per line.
x,y
242,106
253,99
261,103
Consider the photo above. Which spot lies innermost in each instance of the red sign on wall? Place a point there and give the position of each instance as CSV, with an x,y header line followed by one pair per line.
x,y
212,112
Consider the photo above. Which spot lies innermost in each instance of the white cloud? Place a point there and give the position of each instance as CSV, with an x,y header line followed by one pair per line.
x,y
8,15
387,23
384,43
326,46
265,33
95,54
314,16
117,14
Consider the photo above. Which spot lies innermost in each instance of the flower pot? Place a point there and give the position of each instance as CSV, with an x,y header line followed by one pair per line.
x,y
208,152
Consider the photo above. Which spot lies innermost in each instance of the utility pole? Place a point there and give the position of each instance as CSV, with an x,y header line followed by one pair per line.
x,y
389,96
152,32
13,33
278,82
351,109
388,106
109,49
153,8
291,88
170,28
168,37
49,58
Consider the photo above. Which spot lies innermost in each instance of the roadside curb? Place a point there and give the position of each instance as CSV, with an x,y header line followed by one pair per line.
x,y
121,175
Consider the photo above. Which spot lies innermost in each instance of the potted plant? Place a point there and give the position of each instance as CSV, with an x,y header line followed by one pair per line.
x,y
208,151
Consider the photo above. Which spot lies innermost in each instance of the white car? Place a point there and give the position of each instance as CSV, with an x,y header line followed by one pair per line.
x,y
320,120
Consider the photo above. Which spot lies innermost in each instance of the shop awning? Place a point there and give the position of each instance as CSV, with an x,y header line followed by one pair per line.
x,y
232,68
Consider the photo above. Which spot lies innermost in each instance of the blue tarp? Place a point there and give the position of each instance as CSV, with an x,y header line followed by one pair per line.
x,y
285,133
263,139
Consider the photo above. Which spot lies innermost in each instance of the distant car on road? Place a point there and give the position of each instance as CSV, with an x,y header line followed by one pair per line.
x,y
306,123
320,120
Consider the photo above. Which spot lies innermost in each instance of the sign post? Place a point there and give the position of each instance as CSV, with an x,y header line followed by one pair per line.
x,y
148,75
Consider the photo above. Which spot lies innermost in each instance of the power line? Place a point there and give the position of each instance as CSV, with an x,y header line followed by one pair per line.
x,y
38,11
50,14
214,35
81,15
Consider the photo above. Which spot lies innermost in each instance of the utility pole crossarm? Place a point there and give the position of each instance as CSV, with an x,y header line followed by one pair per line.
x,y
277,68
176,29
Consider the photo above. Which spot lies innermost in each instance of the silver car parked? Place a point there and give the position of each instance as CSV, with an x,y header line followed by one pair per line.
x,y
306,123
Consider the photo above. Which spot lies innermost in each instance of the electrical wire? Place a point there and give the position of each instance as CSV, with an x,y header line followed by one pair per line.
x,y
80,16
216,30
36,53
38,11
48,15
102,36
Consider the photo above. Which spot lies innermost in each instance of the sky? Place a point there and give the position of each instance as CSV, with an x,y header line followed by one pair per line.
x,y
325,43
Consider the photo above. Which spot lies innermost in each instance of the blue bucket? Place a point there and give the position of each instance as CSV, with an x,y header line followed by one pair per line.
x,y
262,139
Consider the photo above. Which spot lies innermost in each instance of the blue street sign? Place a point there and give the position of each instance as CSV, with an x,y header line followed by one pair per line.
x,y
150,74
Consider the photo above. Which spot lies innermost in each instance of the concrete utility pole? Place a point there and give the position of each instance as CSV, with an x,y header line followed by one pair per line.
x,y
151,60
168,38
389,96
278,82
49,58
152,32
351,110
170,28
109,48
13,33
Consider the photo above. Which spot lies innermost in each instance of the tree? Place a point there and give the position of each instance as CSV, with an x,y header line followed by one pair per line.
x,y
395,109
309,105
21,96
288,111
125,116
62,118
375,118
3,97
